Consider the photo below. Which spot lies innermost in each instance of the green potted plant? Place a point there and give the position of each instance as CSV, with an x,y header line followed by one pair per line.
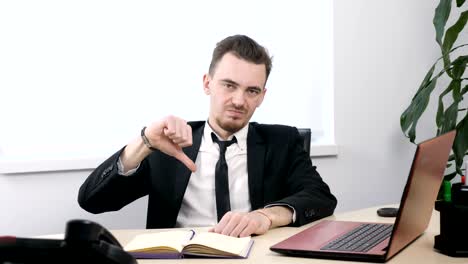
x,y
451,114
452,108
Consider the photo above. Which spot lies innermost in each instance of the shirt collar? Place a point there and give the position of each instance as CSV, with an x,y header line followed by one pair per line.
x,y
240,135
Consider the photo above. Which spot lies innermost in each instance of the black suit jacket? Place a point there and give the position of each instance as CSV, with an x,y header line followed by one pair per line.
x,y
279,171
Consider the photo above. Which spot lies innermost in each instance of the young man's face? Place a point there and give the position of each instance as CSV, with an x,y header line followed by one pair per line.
x,y
236,89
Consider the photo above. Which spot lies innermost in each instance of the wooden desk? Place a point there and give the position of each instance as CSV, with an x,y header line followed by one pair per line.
x,y
420,251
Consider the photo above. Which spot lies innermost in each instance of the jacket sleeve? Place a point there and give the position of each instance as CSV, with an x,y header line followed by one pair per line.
x,y
106,190
308,194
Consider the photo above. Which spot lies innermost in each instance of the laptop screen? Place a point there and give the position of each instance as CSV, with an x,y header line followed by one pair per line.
x,y
421,190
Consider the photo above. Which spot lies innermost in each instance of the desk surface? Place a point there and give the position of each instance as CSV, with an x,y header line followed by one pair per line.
x,y
420,251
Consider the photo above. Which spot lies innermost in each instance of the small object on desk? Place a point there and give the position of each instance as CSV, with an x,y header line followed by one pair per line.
x,y
460,194
453,217
387,212
453,233
463,177
447,185
179,244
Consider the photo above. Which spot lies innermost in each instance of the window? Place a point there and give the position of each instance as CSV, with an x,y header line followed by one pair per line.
x,y
79,79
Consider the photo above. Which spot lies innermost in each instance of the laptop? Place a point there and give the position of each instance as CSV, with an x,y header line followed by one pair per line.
x,y
378,242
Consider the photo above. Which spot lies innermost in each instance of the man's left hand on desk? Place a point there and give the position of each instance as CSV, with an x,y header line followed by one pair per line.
x,y
240,224
257,222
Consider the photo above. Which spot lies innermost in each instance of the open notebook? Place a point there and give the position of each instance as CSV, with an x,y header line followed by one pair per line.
x,y
179,243
379,242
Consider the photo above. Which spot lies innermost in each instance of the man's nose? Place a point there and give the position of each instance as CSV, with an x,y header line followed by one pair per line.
x,y
238,98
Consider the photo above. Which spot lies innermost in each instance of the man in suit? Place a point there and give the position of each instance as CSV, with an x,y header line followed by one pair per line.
x,y
260,180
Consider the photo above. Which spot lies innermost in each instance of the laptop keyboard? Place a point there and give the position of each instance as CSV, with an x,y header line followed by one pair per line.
x,y
361,238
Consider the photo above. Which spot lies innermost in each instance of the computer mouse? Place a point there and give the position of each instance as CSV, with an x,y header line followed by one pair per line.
x,y
387,212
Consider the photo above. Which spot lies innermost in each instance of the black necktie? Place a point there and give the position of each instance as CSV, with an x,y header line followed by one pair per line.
x,y
223,204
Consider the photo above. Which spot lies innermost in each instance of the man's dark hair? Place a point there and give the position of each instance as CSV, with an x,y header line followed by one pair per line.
x,y
242,47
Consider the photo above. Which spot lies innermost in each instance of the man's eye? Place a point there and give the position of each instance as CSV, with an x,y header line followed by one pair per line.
x,y
228,85
253,92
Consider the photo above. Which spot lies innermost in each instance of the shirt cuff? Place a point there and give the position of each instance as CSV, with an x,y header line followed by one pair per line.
x,y
287,205
120,169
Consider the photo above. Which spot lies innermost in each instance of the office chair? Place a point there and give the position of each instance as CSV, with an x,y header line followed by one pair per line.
x,y
305,134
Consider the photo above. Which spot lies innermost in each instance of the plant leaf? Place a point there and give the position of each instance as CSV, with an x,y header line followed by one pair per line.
x,y
426,80
431,70
440,114
407,118
460,2
440,108
450,118
441,15
460,146
451,34
450,176
410,117
459,66
464,90
456,93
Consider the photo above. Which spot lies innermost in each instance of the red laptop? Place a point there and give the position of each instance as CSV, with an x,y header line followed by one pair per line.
x,y
378,242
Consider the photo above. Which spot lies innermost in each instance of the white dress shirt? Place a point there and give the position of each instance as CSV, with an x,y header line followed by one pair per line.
x,y
199,203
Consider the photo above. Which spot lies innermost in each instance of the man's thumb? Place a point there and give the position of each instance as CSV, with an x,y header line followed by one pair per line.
x,y
186,161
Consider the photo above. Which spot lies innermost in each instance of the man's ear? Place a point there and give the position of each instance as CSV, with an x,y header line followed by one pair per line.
x,y
260,100
206,83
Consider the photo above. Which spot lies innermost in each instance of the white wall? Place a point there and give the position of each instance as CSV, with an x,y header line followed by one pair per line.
x,y
382,51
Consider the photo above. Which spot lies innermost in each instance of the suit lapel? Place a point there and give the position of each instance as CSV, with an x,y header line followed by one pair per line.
x,y
182,173
255,166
